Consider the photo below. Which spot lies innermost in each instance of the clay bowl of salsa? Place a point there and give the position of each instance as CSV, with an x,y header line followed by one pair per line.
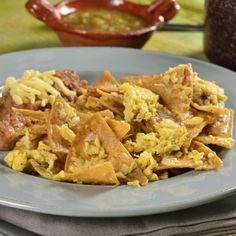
x,y
103,22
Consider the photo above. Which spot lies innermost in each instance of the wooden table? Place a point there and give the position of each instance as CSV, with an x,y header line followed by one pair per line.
x,y
20,31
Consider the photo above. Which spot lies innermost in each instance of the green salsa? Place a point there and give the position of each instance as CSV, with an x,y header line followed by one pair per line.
x,y
104,20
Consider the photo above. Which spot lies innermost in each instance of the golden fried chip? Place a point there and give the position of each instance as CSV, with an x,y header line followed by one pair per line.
x,y
222,126
94,104
105,100
106,82
175,87
32,136
137,175
120,128
61,126
216,140
97,128
200,157
62,112
40,115
210,159
194,127
209,108
112,101
102,173
107,114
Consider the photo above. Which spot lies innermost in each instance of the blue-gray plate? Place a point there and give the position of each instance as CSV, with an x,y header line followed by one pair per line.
x,y
193,188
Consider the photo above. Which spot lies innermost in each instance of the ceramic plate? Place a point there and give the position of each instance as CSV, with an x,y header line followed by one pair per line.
x,y
190,189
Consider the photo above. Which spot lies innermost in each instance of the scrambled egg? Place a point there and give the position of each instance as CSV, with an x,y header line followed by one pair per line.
x,y
207,93
95,152
94,148
67,113
169,137
140,103
19,159
148,165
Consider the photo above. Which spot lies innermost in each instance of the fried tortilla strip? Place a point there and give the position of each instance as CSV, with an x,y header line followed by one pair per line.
x,y
206,116
62,112
175,87
194,127
60,139
196,122
116,153
220,131
107,114
31,137
200,158
102,173
120,128
113,102
62,123
106,82
210,159
209,108
94,104
40,115
216,140
137,175
223,125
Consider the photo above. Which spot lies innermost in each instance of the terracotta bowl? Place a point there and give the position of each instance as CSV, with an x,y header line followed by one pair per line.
x,y
70,35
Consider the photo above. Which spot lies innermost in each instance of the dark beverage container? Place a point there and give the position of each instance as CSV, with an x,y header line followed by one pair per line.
x,y
220,32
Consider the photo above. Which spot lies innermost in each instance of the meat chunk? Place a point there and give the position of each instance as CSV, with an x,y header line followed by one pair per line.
x,y
71,80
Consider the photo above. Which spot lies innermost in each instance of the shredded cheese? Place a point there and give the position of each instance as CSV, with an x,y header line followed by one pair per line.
x,y
34,85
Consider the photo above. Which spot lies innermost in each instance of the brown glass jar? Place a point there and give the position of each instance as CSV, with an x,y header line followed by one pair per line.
x,y
220,32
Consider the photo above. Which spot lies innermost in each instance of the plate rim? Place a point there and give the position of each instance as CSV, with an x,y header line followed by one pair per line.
x,y
137,212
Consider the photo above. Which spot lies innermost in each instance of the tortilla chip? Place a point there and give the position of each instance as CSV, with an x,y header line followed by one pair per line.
x,y
222,126
117,154
216,140
194,127
208,108
32,136
93,103
62,119
208,117
102,173
106,82
40,115
200,158
120,128
105,100
137,175
107,114
112,101
210,159
175,87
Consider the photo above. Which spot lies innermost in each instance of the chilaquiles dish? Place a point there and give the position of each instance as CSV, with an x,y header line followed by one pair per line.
x,y
145,128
